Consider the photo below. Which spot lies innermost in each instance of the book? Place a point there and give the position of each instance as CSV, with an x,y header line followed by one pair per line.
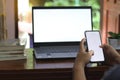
x,y
10,45
11,50
9,42
11,57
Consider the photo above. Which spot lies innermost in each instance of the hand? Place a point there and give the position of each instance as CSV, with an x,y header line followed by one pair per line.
x,y
111,55
83,57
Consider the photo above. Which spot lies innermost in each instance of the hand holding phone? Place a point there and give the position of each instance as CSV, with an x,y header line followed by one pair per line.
x,y
93,43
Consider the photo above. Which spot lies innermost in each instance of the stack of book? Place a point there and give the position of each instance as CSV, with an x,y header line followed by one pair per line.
x,y
11,50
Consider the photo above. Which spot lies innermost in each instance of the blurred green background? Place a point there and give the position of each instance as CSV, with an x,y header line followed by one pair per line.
x,y
95,4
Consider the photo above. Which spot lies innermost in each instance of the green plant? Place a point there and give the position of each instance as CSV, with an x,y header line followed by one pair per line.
x,y
114,35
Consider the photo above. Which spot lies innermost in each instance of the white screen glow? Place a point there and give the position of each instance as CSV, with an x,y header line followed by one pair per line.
x,y
61,25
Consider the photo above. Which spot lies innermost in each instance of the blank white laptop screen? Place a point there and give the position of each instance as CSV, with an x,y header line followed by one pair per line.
x,y
60,24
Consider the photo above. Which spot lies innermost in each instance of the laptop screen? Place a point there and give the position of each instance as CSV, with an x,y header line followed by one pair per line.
x,y
60,24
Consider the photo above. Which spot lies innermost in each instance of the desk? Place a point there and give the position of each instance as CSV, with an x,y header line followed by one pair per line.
x,y
30,69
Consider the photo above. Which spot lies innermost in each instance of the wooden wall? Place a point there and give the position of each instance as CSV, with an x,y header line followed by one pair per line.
x,y
110,17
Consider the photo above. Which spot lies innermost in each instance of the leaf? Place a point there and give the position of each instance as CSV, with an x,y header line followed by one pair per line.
x,y
114,35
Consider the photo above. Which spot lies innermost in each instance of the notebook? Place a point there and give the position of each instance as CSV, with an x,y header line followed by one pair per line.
x,y
57,31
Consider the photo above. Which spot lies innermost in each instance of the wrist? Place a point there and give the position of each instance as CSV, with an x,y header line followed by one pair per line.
x,y
78,66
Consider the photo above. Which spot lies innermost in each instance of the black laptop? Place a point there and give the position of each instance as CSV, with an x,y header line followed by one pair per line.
x,y
57,31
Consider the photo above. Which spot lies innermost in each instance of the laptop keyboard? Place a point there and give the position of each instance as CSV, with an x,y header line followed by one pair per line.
x,y
56,49
57,52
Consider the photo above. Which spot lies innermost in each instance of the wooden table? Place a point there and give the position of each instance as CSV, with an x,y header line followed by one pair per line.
x,y
55,69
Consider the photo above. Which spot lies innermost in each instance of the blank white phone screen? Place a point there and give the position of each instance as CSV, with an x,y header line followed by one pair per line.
x,y
93,42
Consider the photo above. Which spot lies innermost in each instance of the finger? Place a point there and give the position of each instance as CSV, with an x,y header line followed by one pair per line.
x,y
82,48
102,46
91,52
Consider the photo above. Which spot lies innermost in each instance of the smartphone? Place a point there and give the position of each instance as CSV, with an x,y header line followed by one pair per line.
x,y
93,39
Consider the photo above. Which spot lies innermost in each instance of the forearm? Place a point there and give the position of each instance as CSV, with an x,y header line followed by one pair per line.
x,y
118,59
79,73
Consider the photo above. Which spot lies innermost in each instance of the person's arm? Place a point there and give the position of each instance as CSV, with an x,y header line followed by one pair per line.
x,y
78,72
111,55
118,59
81,60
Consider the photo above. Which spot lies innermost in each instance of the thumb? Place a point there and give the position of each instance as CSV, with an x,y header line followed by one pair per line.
x,y
91,52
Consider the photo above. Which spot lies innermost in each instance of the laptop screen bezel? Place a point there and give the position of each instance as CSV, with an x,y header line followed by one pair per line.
x,y
58,43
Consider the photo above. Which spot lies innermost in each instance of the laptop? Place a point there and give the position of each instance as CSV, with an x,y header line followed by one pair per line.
x,y
57,31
